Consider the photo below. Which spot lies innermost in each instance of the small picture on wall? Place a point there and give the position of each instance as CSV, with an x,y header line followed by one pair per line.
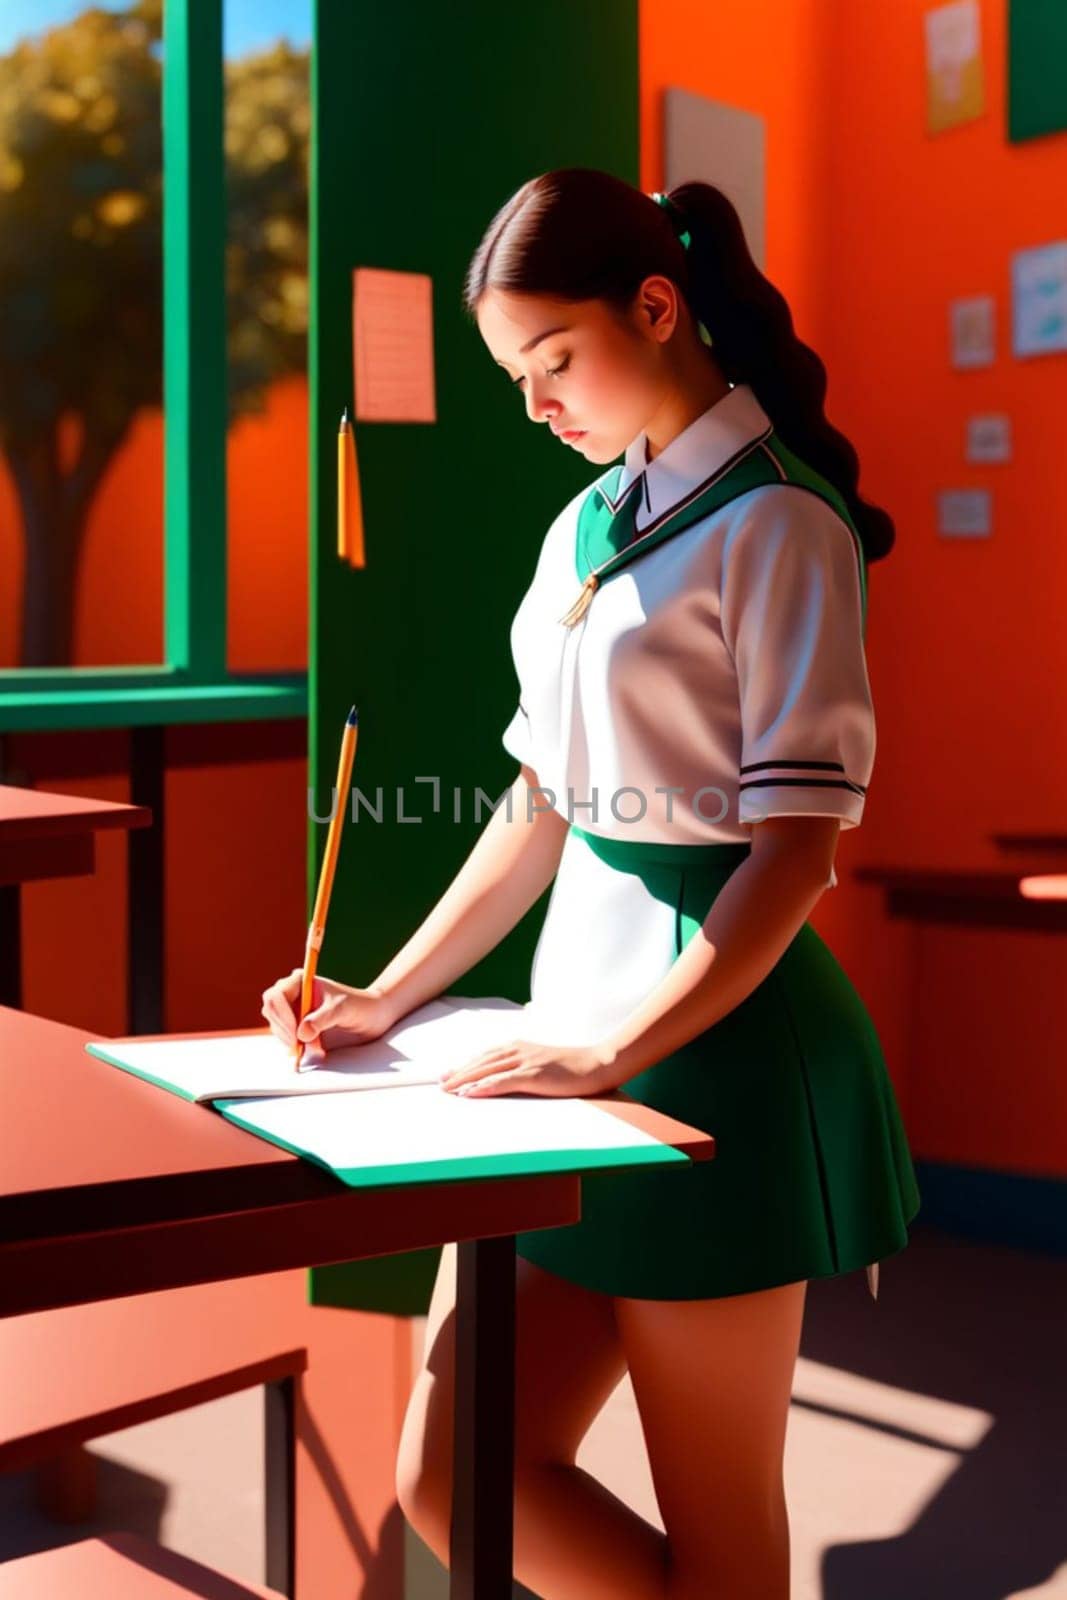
x,y
965,513
971,329
1039,299
988,438
955,91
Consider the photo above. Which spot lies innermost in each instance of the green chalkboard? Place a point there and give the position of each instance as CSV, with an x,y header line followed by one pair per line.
x,y
426,118
1037,68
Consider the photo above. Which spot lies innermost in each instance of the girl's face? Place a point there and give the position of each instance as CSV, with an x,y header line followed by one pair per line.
x,y
580,366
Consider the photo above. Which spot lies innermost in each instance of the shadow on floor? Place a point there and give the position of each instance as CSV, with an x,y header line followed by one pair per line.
x,y
984,1327
127,1501
980,1327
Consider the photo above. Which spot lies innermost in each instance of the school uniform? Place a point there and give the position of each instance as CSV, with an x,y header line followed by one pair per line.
x,y
710,672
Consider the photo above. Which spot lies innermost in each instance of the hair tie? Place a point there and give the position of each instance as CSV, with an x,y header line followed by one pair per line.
x,y
674,211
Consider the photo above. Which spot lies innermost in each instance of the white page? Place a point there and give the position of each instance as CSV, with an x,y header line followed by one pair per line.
x,y
456,1025
428,1125
431,1040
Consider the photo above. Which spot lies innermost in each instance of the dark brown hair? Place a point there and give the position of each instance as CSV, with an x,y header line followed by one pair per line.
x,y
581,234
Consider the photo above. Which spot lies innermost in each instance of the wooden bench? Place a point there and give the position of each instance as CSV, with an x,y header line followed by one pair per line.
x,y
82,1371
121,1566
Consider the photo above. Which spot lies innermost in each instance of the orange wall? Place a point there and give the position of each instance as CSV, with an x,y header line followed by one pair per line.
x,y
872,227
767,56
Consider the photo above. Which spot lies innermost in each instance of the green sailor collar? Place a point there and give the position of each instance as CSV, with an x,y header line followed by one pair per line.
x,y
607,540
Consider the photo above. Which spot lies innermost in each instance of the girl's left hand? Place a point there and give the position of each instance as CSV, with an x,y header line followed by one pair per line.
x,y
522,1067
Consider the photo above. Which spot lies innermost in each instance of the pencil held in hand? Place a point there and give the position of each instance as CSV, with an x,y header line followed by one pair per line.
x,y
317,927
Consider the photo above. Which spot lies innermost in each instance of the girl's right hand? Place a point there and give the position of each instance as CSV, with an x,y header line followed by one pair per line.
x,y
339,1014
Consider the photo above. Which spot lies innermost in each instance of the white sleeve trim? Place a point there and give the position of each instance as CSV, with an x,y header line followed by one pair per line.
x,y
754,805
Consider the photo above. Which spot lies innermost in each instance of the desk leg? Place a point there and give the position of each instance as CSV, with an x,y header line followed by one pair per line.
x,y
279,1401
145,898
11,945
481,1539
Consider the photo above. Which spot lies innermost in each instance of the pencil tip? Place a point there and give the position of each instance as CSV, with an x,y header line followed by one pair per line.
x,y
353,716
344,417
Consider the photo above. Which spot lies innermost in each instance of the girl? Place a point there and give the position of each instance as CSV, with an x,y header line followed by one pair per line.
x,y
693,689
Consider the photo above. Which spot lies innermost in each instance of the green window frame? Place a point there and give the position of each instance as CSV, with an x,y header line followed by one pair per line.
x,y
192,683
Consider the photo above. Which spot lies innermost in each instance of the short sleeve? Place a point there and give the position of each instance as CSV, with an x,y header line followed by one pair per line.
x,y
792,619
516,737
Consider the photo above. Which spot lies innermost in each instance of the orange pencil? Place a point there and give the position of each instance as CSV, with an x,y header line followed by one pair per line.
x,y
317,926
350,543
342,487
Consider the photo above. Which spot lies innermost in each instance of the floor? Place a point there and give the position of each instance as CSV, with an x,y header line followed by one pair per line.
x,y
925,1454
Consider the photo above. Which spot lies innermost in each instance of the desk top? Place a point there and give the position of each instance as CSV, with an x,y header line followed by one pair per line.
x,y
89,1147
984,893
999,881
82,1140
37,814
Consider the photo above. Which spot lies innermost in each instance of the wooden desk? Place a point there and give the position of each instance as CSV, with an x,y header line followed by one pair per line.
x,y
46,835
1031,843
983,896
113,1187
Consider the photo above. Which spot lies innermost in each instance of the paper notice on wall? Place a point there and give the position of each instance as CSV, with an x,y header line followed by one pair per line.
x,y
988,438
954,88
1039,299
392,335
971,331
954,64
965,513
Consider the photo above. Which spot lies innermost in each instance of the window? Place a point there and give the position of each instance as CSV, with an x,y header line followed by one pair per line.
x,y
145,639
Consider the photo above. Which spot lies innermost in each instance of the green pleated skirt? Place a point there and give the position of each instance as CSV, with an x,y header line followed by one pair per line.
x,y
812,1174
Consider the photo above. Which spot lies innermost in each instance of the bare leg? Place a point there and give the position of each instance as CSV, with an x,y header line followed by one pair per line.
x,y
574,1540
712,1379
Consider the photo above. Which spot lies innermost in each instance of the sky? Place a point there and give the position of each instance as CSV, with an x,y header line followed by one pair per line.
x,y
247,24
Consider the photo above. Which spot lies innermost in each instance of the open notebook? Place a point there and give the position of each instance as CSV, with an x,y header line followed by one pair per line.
x,y
428,1136
431,1040
377,1138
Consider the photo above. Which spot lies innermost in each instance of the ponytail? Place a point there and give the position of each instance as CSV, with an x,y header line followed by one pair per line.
x,y
755,343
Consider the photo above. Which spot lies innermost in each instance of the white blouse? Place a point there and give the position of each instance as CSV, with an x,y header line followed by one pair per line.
x,y
716,679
